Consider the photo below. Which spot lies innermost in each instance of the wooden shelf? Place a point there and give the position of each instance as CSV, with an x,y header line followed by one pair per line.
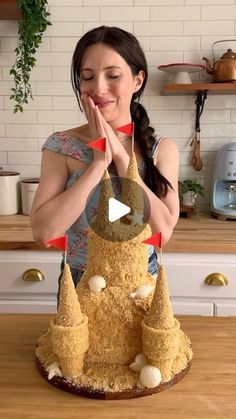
x,y
194,88
9,10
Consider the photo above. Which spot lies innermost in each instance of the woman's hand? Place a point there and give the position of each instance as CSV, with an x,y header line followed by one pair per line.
x,y
101,128
96,127
116,146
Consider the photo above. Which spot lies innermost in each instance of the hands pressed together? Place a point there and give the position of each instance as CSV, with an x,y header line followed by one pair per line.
x,y
101,128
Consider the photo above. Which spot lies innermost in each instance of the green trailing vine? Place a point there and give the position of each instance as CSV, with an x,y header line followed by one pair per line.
x,y
30,31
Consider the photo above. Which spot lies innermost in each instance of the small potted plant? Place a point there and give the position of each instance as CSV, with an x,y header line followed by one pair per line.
x,y
189,189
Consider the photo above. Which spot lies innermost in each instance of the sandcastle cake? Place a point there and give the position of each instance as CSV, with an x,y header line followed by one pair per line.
x,y
115,335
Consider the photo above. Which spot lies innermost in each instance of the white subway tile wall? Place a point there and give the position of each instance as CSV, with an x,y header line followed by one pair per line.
x,y
168,30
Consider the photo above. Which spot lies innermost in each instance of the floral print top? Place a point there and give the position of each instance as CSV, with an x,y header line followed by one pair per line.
x,y
63,143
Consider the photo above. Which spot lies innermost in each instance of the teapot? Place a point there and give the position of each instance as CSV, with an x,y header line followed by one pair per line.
x,y
223,70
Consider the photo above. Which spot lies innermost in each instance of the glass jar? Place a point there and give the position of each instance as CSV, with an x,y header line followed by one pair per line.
x,y
231,189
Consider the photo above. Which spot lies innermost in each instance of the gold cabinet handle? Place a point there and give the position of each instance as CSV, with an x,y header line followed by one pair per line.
x,y
33,275
216,279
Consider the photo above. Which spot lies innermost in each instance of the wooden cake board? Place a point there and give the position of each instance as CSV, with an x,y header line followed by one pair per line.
x,y
63,384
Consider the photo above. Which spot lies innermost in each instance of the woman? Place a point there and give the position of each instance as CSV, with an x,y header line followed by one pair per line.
x,y
109,73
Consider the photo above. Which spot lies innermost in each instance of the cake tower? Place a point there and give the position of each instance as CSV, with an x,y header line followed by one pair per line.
x,y
69,329
133,335
162,338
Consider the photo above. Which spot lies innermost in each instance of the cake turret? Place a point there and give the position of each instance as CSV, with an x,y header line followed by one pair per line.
x,y
132,196
69,329
102,222
160,315
69,312
160,330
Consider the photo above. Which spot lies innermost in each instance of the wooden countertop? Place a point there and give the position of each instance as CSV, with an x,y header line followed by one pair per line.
x,y
203,235
197,235
15,233
207,391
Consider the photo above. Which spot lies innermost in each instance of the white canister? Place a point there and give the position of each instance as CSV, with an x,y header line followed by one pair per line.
x,y
28,189
9,192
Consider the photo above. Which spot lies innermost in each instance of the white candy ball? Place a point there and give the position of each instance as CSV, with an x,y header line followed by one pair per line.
x,y
150,376
97,283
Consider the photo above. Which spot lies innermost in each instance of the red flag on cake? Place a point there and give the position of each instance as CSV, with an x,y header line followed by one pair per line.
x,y
127,129
59,242
99,144
155,240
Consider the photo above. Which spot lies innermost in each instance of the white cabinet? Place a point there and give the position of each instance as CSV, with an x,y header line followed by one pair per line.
x,y
186,274
32,295
190,294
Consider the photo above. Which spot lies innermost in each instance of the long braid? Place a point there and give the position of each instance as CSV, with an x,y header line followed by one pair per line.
x,y
143,134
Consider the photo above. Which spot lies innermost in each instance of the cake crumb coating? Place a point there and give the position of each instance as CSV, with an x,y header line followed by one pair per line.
x,y
95,336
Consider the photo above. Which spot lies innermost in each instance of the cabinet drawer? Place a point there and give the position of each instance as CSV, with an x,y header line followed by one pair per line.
x,y
19,306
14,263
222,309
187,272
192,308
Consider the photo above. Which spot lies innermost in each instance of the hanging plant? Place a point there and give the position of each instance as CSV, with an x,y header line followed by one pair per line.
x,y
31,27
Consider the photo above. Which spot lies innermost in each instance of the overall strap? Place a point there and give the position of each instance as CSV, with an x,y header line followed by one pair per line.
x,y
156,144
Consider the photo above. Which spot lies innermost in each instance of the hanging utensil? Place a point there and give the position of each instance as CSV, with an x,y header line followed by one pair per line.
x,y
195,143
196,158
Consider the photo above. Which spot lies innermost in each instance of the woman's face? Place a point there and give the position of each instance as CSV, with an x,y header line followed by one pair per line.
x,y
107,78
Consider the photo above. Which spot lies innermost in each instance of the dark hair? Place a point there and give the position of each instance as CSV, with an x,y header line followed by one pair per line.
x,y
128,47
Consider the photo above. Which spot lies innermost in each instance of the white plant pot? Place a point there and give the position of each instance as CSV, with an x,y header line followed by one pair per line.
x,y
189,199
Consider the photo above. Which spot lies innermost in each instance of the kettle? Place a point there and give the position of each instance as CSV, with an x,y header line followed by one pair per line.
x,y
223,70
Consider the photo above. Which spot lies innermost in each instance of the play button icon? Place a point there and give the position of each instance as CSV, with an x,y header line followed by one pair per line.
x,y
116,210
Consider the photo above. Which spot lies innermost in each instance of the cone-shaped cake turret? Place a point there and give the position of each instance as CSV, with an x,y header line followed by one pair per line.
x,y
161,331
160,315
131,195
69,329
102,222
69,312
106,192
